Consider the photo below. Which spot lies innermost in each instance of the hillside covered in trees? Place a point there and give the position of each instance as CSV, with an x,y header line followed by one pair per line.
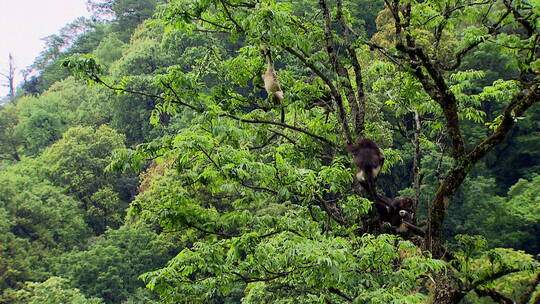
x,y
147,161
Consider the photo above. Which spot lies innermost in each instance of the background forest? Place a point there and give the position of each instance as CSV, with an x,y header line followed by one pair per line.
x,y
145,162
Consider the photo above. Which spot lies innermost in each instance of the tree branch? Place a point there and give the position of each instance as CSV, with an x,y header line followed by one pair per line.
x,y
339,70
225,235
329,210
97,79
493,30
520,103
177,98
340,293
519,18
494,276
527,296
256,121
358,101
267,279
240,29
493,294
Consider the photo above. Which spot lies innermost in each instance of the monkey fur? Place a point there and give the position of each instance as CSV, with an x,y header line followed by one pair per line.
x,y
398,212
271,83
369,160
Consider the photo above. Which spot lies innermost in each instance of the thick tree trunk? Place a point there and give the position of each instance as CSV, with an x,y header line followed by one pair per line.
x,y
447,290
463,164
439,205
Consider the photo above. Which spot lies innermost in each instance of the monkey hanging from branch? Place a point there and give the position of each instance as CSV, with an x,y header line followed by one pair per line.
x,y
271,83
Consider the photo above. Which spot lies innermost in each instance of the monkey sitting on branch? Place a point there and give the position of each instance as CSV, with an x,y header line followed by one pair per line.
x,y
399,213
369,160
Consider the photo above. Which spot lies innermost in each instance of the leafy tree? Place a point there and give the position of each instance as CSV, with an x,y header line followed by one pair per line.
x,y
79,36
510,221
42,120
268,185
40,129
38,219
477,266
109,49
39,211
77,163
10,141
125,15
110,267
55,290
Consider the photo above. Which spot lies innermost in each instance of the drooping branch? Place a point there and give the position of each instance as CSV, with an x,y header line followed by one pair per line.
x,y
97,79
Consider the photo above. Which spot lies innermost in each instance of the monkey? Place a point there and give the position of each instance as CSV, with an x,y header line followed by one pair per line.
x,y
369,160
398,212
271,84
403,214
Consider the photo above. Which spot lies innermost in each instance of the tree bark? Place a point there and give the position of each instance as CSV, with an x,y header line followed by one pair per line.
x,y
447,290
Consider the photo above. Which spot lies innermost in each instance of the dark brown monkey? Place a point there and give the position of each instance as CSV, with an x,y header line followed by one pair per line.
x,y
369,160
398,212
403,214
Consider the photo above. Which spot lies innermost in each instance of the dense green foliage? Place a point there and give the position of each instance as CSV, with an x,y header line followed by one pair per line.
x,y
162,172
